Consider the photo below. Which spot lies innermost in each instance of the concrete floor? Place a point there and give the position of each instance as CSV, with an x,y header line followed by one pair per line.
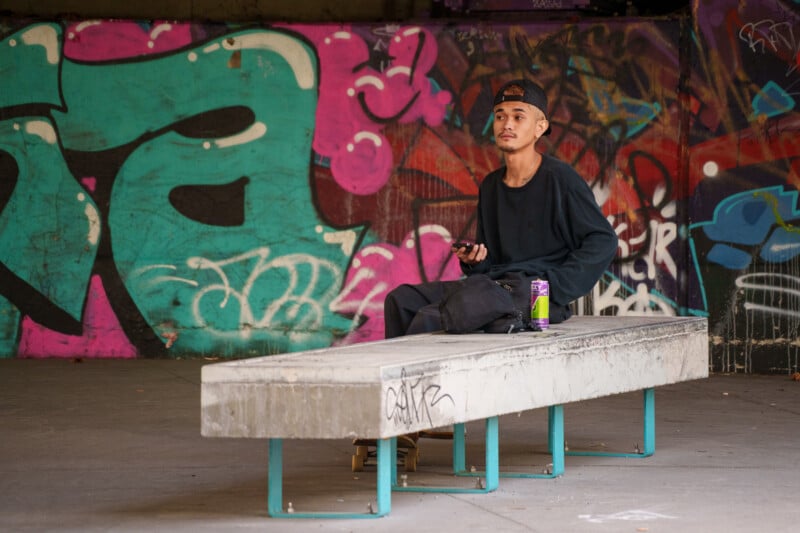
x,y
115,445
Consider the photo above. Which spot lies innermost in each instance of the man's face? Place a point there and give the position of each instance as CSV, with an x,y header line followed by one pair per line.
x,y
517,126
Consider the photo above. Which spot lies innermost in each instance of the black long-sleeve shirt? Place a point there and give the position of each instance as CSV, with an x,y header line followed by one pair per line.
x,y
550,227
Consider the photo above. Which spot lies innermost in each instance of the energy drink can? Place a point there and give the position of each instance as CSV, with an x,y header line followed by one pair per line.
x,y
540,304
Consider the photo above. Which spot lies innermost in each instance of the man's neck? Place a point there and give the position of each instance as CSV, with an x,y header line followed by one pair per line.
x,y
520,167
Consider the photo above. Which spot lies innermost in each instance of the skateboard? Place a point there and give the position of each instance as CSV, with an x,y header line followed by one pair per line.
x,y
407,450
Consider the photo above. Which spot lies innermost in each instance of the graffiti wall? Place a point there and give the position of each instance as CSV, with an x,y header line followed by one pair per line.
x,y
181,190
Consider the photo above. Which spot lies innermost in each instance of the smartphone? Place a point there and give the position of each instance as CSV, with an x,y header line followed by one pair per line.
x,y
467,245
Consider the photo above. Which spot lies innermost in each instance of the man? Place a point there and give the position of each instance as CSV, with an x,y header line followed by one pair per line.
x,y
536,216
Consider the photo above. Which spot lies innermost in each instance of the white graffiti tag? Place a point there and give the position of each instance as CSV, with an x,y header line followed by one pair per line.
x,y
298,293
773,36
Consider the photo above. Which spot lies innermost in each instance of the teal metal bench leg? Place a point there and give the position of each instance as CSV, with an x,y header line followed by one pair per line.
x,y
459,448
387,459
648,435
491,474
384,482
275,483
555,439
393,453
555,444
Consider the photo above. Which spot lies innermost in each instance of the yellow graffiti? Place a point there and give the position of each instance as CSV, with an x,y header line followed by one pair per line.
x,y
773,203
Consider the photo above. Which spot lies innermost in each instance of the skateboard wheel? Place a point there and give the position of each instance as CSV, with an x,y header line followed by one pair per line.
x,y
411,460
406,441
358,463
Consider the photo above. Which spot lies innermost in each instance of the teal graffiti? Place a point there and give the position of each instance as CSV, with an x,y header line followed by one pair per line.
x,y
610,105
235,114
772,100
9,319
51,250
29,74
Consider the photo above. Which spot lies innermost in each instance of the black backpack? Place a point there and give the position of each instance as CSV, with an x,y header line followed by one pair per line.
x,y
479,303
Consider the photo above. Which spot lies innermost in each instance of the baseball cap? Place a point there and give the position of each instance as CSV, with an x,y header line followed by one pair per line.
x,y
532,94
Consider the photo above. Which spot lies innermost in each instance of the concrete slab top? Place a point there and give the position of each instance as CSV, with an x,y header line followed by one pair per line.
x,y
369,361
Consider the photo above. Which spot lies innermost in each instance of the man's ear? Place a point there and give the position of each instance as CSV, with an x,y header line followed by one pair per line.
x,y
543,128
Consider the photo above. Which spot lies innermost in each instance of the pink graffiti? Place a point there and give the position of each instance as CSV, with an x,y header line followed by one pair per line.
x,y
356,102
367,157
102,337
96,40
90,182
379,268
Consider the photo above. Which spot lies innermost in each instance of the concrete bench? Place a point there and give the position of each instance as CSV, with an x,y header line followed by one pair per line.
x,y
393,387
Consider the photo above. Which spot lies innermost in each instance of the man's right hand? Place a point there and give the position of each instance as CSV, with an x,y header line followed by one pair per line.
x,y
471,256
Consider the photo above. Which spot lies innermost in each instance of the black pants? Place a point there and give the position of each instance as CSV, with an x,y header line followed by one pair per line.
x,y
410,309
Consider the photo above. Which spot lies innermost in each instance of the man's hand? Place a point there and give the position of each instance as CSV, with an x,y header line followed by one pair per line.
x,y
470,254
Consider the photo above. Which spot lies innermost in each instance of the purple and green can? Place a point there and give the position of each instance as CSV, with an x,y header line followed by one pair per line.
x,y
540,304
